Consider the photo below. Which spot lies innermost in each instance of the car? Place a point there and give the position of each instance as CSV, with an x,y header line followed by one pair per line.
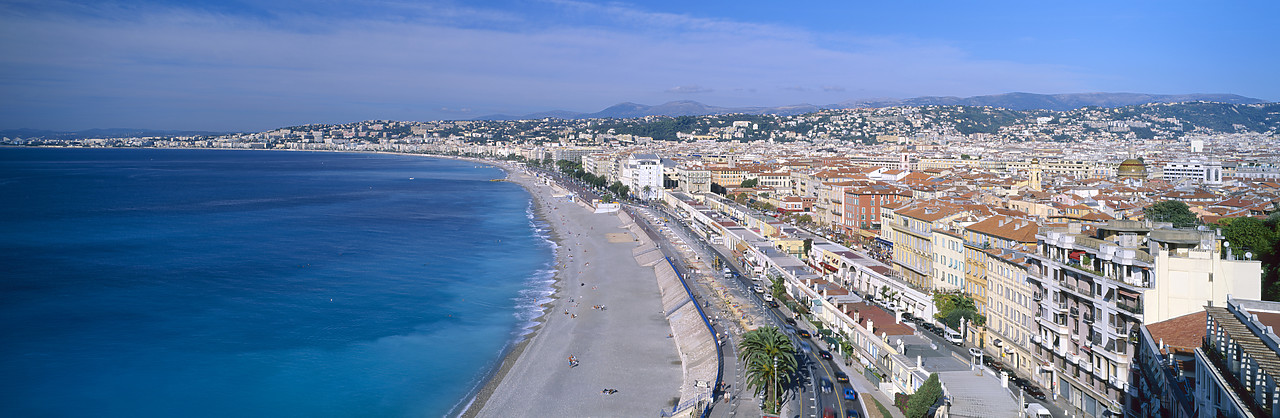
x,y
850,413
790,321
768,297
1035,393
773,304
850,394
828,413
825,385
757,289
842,377
824,354
804,333
804,346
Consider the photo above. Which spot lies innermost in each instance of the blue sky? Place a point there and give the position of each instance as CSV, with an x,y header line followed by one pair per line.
x,y
258,65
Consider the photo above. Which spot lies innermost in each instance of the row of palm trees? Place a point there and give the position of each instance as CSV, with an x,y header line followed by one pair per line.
x,y
770,364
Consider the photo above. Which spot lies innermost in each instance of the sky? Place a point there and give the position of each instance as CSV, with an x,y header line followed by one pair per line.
x,y
259,65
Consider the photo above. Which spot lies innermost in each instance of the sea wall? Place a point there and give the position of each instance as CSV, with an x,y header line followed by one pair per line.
x,y
694,341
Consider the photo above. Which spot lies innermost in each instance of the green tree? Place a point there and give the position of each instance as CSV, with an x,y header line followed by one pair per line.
x,y
954,306
778,288
770,363
925,397
805,219
808,245
1248,235
748,183
1175,212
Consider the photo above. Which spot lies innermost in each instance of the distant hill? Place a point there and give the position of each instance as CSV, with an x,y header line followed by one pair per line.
x,y
1012,101
100,133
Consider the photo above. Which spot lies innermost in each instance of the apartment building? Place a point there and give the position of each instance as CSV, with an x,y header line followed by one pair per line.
x,y
910,229
862,202
1097,286
643,174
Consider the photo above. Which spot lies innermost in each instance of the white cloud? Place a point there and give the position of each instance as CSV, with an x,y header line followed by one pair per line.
x,y
217,70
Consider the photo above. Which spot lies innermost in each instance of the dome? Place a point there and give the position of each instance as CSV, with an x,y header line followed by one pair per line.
x,y
1131,168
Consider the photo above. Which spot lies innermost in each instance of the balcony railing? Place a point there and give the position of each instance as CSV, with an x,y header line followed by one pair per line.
x,y
1245,395
1135,309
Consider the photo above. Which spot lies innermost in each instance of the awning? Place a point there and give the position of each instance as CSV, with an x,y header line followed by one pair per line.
x,y
1126,293
1075,255
829,267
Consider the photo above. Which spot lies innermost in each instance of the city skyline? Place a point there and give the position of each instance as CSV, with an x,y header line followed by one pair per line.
x,y
228,66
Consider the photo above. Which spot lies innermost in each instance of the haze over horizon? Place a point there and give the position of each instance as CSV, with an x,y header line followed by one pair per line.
x,y
246,66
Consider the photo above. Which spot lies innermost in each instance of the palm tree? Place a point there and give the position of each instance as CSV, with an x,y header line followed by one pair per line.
x,y
770,363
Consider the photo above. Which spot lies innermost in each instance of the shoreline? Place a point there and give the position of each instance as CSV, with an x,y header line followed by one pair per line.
x,y
476,399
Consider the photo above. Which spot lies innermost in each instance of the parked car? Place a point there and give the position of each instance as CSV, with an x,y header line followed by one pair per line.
x,y
1035,393
842,377
850,394
824,354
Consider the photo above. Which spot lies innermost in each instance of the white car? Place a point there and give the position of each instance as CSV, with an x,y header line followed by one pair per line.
x,y
757,289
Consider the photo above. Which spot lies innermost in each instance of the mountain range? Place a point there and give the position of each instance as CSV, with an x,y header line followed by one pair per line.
x,y
1012,101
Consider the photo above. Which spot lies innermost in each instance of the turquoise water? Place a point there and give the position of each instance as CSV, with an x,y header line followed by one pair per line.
x,y
149,283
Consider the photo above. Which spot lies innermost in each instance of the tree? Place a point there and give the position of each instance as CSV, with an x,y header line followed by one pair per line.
x,y
1248,235
954,306
1172,211
808,245
749,183
778,288
805,219
770,363
925,397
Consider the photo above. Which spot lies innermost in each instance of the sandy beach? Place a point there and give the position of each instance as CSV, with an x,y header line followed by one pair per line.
x,y
606,313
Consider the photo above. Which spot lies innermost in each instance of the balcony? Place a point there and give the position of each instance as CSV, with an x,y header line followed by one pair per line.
x,y
1037,297
1133,308
1088,319
1220,364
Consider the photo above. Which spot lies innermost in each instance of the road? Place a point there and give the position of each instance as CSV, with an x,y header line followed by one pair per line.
x,y
811,402
809,399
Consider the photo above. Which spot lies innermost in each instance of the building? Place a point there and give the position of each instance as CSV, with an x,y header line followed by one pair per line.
x,y
910,229
643,174
1238,367
1010,309
1200,172
862,204
1164,379
1097,286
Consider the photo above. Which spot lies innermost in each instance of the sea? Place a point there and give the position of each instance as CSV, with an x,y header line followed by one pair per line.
x,y
224,283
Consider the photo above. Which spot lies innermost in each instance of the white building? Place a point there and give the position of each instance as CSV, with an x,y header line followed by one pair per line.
x,y
643,174
1197,171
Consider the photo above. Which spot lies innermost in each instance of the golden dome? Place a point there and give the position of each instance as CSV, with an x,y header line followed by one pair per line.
x,y
1131,168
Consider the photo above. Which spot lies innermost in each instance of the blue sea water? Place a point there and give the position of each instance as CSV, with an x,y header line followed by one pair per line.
x,y
161,283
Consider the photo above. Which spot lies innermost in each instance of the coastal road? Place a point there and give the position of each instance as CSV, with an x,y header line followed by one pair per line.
x,y
811,399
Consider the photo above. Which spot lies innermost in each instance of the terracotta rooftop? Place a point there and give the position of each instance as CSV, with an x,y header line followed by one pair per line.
x,y
1181,334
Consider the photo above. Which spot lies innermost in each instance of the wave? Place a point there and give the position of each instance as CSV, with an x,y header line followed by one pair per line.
x,y
531,303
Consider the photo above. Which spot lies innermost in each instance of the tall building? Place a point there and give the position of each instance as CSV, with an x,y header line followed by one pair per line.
x,y
643,174
1097,286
